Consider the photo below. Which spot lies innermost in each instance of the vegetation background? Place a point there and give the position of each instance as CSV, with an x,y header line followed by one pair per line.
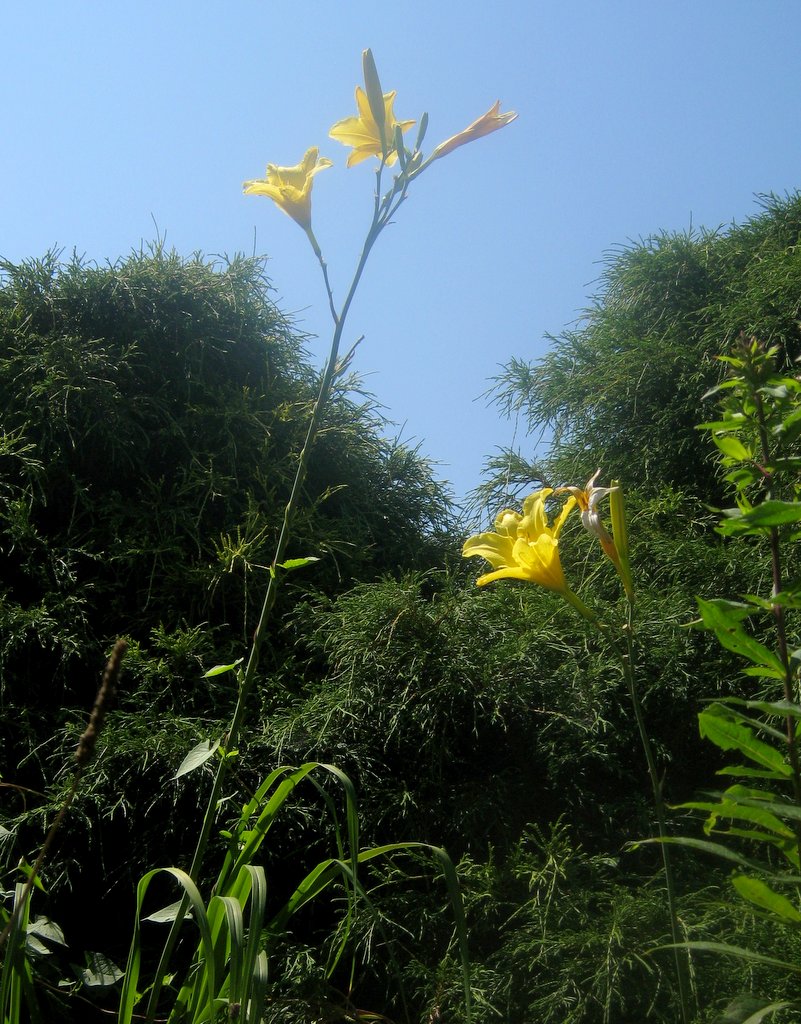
x,y
153,410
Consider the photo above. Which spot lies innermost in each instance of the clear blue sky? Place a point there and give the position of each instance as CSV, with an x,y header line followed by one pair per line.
x,y
634,117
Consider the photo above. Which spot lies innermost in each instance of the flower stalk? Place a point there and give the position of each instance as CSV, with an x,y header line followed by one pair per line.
x,y
526,548
373,132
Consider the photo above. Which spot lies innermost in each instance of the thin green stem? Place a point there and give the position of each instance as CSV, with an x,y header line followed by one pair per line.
x,y
583,609
249,678
682,967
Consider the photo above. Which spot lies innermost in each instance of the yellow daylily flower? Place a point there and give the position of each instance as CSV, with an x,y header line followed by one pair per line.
x,y
290,187
527,548
523,547
484,125
364,135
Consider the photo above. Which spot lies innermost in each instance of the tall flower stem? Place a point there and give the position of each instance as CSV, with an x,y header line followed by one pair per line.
x,y
682,964
383,210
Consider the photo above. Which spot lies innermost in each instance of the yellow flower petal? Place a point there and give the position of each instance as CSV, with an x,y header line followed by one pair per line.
x,y
364,135
290,187
524,547
497,550
502,574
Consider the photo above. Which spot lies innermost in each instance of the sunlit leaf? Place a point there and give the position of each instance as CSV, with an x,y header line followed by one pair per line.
x,y
297,563
720,617
729,735
101,972
219,670
761,895
197,756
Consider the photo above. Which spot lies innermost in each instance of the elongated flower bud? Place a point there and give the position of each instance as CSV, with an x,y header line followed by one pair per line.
x,y
620,533
375,97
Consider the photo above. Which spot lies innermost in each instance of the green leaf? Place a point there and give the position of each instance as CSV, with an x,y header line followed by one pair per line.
x,y
732,421
724,622
219,670
780,708
730,709
732,447
738,951
197,756
48,930
761,895
731,810
297,563
754,798
167,914
743,771
100,972
716,849
729,735
761,517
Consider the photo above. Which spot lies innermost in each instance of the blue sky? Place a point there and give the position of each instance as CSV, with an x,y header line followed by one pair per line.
x,y
123,119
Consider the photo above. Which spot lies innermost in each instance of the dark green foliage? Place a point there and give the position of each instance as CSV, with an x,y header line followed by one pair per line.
x,y
153,411
624,389
424,690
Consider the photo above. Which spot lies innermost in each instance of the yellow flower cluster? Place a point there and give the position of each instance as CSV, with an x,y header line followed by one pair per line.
x,y
374,131
526,547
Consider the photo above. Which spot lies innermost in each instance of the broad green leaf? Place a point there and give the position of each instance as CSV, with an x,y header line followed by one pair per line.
x,y
733,421
732,447
732,811
721,611
197,756
36,946
730,709
781,809
761,895
729,735
724,620
48,930
297,563
780,391
100,972
780,708
167,914
743,771
761,517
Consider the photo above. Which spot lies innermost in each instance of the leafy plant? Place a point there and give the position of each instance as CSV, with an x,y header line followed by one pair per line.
x,y
758,437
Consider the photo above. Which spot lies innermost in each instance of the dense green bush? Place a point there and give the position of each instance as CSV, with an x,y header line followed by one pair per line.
x,y
153,411
624,388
